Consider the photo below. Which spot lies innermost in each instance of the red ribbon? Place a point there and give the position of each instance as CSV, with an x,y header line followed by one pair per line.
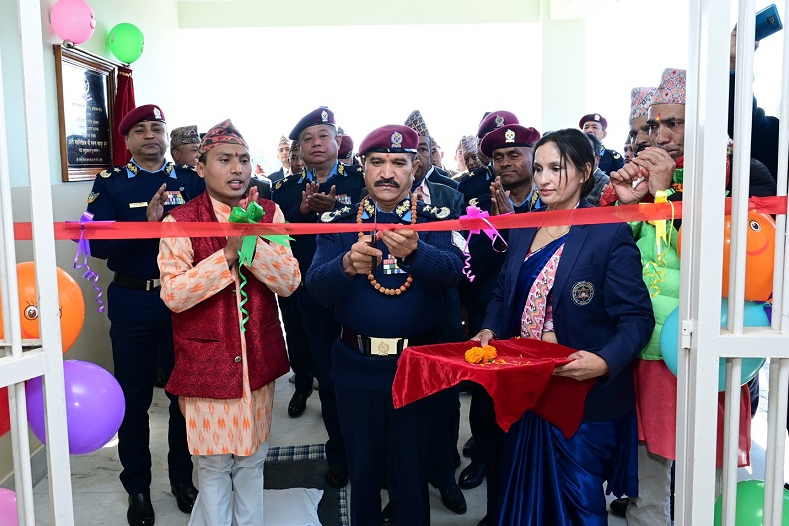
x,y
580,216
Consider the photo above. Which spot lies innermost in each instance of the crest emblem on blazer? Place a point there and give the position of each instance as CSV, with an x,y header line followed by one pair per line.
x,y
582,293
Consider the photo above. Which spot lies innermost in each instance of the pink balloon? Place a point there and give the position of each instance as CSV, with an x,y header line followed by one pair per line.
x,y
72,20
94,406
8,507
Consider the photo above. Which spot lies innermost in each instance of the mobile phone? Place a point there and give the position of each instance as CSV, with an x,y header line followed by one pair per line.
x,y
767,22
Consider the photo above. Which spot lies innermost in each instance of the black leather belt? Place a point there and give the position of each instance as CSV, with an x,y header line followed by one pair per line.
x,y
383,346
129,282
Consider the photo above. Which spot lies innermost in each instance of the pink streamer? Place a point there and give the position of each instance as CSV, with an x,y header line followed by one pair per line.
x,y
83,248
474,212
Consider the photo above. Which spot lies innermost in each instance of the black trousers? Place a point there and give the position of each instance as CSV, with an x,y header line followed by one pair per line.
x,y
488,439
298,344
322,330
137,347
371,425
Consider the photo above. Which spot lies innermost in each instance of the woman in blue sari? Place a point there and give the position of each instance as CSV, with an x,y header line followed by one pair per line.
x,y
579,286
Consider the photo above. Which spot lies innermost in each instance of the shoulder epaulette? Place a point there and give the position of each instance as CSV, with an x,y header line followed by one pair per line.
x,y
337,213
475,201
433,212
187,167
112,171
287,180
355,169
463,176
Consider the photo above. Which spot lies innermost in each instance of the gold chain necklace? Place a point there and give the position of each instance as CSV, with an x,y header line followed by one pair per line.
x,y
408,280
556,237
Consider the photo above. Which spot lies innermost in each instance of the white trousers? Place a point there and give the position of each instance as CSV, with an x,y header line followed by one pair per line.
x,y
231,490
651,507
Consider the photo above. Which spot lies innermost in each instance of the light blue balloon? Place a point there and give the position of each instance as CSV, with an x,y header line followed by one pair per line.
x,y
754,316
669,345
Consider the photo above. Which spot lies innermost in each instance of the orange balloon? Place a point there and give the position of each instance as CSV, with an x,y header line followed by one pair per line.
x,y
72,304
759,256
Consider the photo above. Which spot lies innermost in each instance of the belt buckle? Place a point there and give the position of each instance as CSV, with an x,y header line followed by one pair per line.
x,y
152,284
386,346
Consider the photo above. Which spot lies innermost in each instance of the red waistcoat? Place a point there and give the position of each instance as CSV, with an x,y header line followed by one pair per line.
x,y
207,336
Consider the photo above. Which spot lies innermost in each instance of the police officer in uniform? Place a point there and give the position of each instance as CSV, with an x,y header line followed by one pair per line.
x,y
322,184
386,288
511,147
594,123
477,182
141,328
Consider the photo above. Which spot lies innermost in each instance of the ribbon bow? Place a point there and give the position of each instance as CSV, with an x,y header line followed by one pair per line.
x,y
83,249
474,212
253,214
657,269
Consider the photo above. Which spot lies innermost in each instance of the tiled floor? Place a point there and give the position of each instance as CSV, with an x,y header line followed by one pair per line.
x,y
99,498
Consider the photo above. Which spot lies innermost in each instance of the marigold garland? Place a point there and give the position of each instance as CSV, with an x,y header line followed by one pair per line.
x,y
481,355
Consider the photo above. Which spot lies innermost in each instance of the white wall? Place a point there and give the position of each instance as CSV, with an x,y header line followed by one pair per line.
x,y
158,21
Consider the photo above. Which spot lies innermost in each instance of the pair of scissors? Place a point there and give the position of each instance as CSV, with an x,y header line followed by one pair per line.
x,y
374,233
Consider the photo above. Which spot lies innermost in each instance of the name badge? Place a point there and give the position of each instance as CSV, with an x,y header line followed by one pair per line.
x,y
141,204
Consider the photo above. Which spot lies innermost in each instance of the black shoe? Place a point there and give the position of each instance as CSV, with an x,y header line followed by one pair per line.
x,y
472,475
298,403
468,446
185,494
140,510
389,513
619,506
337,477
485,521
453,499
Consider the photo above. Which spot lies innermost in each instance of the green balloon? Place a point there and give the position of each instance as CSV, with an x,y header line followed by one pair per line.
x,y
750,505
126,42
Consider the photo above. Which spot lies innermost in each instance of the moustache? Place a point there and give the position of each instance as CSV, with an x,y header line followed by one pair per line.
x,y
387,182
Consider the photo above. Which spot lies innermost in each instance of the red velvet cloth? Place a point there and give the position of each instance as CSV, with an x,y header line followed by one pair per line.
x,y
124,103
523,382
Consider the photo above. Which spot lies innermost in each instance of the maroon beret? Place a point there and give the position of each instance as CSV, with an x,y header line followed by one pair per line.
x,y
393,138
149,112
495,120
508,136
593,117
346,147
322,115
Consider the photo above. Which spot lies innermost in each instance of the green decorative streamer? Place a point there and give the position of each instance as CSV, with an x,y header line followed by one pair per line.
x,y
253,214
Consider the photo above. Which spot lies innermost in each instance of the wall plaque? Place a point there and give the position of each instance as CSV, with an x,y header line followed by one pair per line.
x,y
86,96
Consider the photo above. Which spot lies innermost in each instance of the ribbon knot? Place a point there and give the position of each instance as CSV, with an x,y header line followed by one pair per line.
x,y
474,212
253,214
656,270
83,249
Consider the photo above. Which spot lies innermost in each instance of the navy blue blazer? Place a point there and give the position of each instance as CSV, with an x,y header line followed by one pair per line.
x,y
442,195
615,322
440,176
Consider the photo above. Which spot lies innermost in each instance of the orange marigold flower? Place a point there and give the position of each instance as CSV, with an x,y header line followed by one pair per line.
x,y
481,355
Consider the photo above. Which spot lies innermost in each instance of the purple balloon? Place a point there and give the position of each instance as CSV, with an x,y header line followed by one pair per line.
x,y
94,406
